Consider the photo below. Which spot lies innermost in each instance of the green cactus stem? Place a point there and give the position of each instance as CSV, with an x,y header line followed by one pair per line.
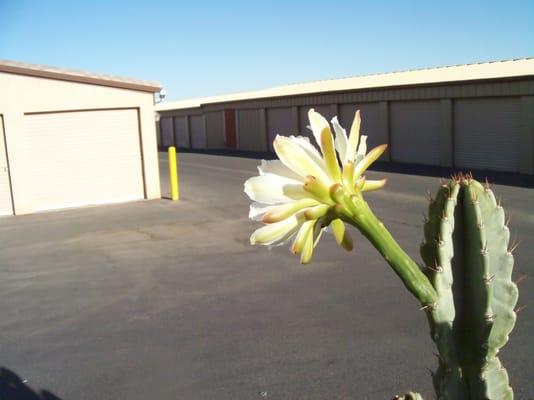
x,y
468,262
355,211
466,287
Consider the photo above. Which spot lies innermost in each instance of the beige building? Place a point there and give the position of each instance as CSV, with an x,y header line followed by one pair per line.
x,y
70,139
477,116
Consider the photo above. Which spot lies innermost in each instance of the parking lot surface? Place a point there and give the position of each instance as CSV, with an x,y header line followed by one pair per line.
x,y
167,300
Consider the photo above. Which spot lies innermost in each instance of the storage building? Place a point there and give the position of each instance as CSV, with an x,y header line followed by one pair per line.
x,y
70,139
476,116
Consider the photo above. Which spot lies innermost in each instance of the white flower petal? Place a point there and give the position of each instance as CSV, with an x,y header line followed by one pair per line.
x,y
277,167
341,139
317,124
277,233
298,160
269,188
352,144
258,210
312,151
362,148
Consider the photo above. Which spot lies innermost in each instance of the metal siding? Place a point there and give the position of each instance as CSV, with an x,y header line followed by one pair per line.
x,y
215,129
84,158
198,133
181,134
527,135
280,121
416,135
429,92
6,206
371,125
325,110
249,130
167,135
487,133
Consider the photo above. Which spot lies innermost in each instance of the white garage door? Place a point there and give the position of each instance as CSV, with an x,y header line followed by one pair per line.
x,y
182,135
167,135
415,132
249,130
5,188
84,158
487,133
198,134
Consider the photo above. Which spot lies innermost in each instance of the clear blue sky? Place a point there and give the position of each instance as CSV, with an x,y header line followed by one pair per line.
x,y
203,48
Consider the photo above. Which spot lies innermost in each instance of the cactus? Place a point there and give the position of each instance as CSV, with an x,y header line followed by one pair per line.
x,y
465,286
468,262
471,299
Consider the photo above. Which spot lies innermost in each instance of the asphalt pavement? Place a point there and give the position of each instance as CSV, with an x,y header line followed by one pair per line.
x,y
167,300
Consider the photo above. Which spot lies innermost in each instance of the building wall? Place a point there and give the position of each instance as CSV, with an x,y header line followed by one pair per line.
x,y
24,94
166,131
197,128
181,133
416,136
421,124
6,201
215,129
281,121
251,135
488,133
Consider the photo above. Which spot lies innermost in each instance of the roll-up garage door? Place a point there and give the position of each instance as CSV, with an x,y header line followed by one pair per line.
x,y
487,133
198,133
214,129
249,130
280,121
167,135
182,134
84,158
416,132
5,187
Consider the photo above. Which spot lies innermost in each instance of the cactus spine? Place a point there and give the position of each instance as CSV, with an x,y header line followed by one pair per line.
x,y
468,263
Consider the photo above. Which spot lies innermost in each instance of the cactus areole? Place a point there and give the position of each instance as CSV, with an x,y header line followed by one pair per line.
x,y
465,286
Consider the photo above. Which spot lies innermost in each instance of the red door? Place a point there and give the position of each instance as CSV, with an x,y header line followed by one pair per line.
x,y
229,129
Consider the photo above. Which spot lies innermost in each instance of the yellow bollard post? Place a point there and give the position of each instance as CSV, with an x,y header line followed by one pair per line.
x,y
173,173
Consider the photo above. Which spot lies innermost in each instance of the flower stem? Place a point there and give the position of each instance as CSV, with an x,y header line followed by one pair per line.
x,y
404,266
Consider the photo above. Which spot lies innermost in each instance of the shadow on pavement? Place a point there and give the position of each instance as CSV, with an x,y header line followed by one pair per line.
x,y
13,388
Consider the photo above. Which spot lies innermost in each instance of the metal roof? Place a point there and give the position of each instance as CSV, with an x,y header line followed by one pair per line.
x,y
456,73
43,71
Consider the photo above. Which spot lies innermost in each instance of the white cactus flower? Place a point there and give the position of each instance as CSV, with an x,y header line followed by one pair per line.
x,y
292,195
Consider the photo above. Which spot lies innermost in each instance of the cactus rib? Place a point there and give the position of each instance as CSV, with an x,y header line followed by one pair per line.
x,y
468,262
